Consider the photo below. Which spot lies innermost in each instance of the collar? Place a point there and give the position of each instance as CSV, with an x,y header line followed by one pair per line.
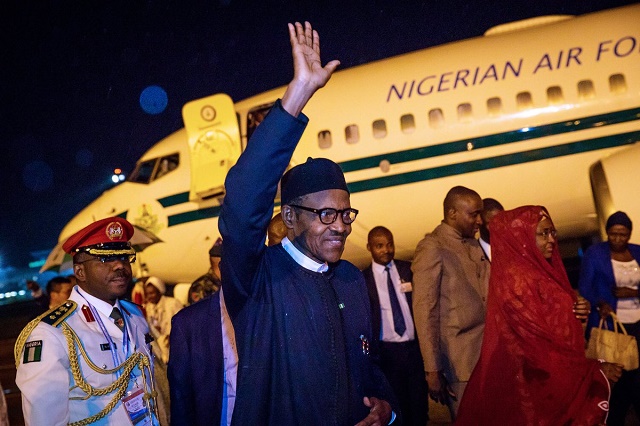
x,y
100,305
379,269
302,259
454,233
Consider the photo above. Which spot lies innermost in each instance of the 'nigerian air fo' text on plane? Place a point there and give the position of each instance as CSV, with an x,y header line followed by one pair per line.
x,y
543,111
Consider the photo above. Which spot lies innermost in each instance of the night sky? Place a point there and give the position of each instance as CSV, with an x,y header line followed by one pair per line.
x,y
72,75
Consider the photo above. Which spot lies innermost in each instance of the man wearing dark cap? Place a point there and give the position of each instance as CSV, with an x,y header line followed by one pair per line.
x,y
301,314
89,359
207,284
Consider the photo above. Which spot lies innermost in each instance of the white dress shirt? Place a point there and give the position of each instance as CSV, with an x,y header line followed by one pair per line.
x,y
386,315
486,248
230,353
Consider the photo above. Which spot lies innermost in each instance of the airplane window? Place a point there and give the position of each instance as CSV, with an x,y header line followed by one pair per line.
x,y
436,118
324,139
524,100
351,133
464,112
255,117
586,90
494,106
379,129
168,164
554,95
407,123
617,84
143,171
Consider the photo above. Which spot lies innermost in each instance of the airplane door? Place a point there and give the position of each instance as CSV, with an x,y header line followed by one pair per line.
x,y
214,143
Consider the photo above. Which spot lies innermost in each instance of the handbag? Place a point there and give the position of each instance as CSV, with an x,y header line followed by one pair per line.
x,y
613,346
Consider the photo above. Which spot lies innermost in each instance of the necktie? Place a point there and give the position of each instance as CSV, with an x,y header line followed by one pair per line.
x,y
117,316
398,319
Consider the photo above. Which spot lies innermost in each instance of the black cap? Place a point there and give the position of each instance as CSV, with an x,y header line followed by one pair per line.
x,y
316,174
619,218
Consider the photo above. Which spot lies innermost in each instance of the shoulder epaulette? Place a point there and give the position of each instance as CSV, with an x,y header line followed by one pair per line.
x,y
53,317
57,315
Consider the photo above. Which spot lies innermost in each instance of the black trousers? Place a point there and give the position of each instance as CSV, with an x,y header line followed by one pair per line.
x,y
627,391
403,368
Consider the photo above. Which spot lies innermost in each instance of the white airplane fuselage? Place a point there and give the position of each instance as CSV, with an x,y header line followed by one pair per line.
x,y
519,115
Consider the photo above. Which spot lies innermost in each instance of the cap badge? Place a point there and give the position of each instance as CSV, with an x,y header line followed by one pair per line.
x,y
114,231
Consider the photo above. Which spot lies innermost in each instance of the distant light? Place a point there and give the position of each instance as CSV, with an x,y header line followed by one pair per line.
x,y
117,178
22,292
36,263
117,171
153,100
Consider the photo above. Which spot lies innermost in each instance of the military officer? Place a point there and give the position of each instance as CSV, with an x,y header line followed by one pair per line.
x,y
88,360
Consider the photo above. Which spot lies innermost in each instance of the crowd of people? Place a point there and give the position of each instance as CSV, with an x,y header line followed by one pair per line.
x,y
289,333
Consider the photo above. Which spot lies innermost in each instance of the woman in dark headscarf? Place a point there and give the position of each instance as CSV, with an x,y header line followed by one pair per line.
x,y
532,368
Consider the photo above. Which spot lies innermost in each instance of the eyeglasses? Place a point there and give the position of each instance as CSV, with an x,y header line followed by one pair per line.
x,y
328,215
547,232
130,258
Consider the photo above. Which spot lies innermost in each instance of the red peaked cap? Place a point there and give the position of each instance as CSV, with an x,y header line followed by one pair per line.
x,y
113,230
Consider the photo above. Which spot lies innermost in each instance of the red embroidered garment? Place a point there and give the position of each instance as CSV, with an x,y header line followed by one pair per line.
x,y
532,368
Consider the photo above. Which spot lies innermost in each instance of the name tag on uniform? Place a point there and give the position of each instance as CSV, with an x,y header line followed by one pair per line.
x,y
106,347
406,287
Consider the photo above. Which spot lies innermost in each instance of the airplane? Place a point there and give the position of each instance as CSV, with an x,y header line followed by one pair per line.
x,y
541,111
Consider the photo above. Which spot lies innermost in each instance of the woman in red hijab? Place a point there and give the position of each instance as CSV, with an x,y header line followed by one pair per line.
x,y
532,368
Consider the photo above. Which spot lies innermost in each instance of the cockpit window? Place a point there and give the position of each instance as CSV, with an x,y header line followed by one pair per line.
x,y
167,165
151,170
143,171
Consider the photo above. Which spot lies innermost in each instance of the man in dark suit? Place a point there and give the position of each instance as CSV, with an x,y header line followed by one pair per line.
x,y
490,208
389,286
203,364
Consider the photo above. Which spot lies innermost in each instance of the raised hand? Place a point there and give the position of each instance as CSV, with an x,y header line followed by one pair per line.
x,y
308,73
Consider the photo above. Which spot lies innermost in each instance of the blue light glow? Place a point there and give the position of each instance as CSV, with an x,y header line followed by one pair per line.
x,y
153,100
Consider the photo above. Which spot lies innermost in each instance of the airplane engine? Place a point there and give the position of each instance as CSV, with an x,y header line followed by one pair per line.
x,y
615,183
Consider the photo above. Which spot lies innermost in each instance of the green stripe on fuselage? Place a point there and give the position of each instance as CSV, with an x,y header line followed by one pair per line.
x,y
180,218
495,162
174,199
492,140
459,168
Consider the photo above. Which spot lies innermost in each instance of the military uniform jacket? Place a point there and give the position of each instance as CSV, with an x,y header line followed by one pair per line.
x,y
49,393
